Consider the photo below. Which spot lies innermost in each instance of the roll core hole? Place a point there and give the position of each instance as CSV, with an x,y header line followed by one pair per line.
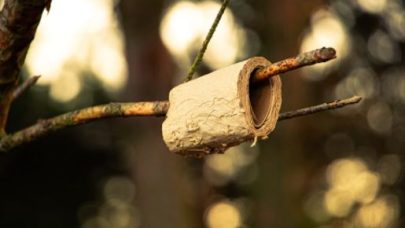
x,y
260,98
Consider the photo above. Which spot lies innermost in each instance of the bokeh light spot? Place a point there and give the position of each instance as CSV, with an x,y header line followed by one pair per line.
x,y
372,6
350,182
382,213
342,171
117,209
119,188
96,222
379,118
338,203
395,19
393,84
360,81
66,87
223,215
382,48
219,169
389,168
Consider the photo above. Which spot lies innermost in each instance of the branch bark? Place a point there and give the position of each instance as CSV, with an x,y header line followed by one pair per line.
x,y
304,59
198,59
43,127
157,108
319,108
26,85
19,20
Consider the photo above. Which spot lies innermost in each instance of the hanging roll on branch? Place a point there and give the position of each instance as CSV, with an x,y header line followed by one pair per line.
x,y
235,104
232,105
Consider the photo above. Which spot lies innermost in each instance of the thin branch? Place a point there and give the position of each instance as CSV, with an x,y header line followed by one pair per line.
x,y
43,127
301,60
207,40
27,84
319,108
18,23
158,108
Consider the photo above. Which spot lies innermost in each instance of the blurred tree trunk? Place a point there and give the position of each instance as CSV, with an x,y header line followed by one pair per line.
x,y
153,168
283,166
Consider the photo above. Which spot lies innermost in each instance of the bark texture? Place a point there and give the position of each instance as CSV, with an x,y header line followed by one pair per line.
x,y
82,116
18,23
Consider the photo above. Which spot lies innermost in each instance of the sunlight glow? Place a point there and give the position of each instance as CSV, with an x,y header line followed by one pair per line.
x,y
223,215
327,30
185,25
90,42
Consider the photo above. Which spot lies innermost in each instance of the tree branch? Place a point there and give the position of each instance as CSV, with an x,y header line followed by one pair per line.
x,y
301,60
43,127
157,108
18,22
319,108
28,83
207,40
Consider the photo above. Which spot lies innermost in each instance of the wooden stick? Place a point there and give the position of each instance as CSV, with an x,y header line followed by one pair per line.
x,y
319,108
301,60
207,40
86,115
28,83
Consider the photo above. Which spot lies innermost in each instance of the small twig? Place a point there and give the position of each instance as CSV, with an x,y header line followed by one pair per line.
x,y
43,127
207,40
319,108
28,83
301,60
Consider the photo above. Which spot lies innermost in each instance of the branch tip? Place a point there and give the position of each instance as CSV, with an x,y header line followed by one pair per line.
x,y
326,54
25,86
304,59
320,108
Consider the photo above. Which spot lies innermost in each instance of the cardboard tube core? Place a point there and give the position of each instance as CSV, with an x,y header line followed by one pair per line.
x,y
260,95
222,109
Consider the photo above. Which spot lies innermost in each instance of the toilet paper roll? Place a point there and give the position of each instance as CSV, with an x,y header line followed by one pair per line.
x,y
222,109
